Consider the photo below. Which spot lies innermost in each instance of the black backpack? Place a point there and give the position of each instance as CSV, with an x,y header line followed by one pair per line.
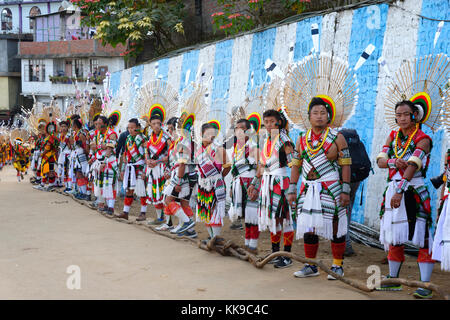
x,y
361,164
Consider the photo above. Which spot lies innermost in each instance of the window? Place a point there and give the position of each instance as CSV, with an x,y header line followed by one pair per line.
x,y
35,11
6,19
93,66
78,68
34,71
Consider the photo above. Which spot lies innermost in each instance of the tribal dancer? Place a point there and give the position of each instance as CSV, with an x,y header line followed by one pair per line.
x,y
271,184
156,159
156,101
323,154
406,209
132,171
243,169
20,153
177,191
79,167
109,173
49,157
36,159
2,148
63,155
212,167
102,136
441,244
182,177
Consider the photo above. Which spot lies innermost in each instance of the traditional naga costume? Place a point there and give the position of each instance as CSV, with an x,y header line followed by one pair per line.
x,y
49,147
49,156
157,99
134,174
441,243
422,81
211,193
181,152
319,211
21,154
79,166
3,155
65,150
273,208
244,165
35,121
63,158
100,139
109,175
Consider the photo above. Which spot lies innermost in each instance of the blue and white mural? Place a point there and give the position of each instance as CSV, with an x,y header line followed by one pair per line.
x,y
393,33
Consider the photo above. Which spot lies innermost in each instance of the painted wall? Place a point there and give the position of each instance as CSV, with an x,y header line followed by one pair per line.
x,y
397,33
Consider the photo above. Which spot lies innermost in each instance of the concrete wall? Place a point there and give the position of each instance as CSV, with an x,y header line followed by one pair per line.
x,y
397,33
4,97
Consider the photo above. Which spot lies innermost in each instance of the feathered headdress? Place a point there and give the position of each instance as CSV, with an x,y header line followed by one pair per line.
x,y
18,136
446,114
113,110
323,76
193,108
157,98
50,114
422,81
251,108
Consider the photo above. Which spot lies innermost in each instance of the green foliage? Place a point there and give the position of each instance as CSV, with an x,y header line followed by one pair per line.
x,y
237,16
130,22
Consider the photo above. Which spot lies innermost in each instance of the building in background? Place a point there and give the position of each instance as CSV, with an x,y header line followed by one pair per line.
x,y
16,27
64,57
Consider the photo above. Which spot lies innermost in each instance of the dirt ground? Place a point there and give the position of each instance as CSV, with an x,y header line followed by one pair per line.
x,y
41,231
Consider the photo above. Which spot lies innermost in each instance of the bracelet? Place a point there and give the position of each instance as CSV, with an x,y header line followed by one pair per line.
x,y
402,186
177,180
391,163
292,188
346,187
345,161
255,180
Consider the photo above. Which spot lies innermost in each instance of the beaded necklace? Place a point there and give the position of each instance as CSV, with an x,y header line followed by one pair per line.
x,y
406,145
311,150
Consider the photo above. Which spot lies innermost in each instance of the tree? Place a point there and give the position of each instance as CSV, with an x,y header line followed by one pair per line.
x,y
131,22
242,15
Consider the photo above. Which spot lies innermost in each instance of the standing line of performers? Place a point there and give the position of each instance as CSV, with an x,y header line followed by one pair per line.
x,y
177,160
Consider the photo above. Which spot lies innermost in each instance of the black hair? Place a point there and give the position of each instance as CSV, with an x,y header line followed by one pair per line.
x,y
77,122
172,121
272,113
317,102
207,126
156,117
135,121
247,123
104,119
95,117
63,123
411,105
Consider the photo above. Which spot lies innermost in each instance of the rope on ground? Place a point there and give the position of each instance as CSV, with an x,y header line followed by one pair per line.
x,y
229,248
